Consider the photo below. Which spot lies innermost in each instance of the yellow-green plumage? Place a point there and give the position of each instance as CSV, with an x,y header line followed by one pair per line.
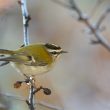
x,y
38,51
33,59
42,58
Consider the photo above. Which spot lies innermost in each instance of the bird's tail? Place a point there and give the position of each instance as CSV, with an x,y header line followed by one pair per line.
x,y
6,52
3,54
7,56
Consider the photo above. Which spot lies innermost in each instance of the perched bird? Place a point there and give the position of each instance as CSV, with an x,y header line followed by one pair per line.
x,y
32,59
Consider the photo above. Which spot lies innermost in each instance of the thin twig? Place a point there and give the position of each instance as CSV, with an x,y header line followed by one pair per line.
x,y
31,96
100,38
26,19
40,103
97,5
95,31
102,18
31,83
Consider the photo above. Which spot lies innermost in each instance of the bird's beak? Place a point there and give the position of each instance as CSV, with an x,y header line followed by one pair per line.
x,y
63,52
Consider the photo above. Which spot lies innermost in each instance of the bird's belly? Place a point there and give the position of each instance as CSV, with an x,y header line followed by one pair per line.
x,y
31,70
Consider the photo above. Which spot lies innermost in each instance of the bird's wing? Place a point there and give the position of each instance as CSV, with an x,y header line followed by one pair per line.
x,y
22,58
34,62
13,58
31,61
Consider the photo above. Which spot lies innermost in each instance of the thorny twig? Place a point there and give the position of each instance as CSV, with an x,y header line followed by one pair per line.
x,y
94,29
26,19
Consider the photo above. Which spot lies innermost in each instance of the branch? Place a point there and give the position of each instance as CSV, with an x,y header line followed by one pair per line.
x,y
40,103
26,19
31,96
102,18
97,5
93,29
32,91
31,83
100,38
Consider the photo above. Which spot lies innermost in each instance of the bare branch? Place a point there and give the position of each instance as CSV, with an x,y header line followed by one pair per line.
x,y
30,81
31,95
26,19
40,103
101,39
102,18
97,5
95,31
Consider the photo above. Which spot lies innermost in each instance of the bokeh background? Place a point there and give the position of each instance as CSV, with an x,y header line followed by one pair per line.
x,y
81,79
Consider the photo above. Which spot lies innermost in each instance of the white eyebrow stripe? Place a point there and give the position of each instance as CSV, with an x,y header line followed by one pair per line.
x,y
57,51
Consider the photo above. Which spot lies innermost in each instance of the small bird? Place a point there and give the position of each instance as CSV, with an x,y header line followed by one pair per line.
x,y
33,59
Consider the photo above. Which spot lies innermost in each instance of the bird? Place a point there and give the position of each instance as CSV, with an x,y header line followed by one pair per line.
x,y
33,59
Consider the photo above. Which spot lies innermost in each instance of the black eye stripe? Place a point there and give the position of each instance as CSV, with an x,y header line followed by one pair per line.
x,y
55,53
52,46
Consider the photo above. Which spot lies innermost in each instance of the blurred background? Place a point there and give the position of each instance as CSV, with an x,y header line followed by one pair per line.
x,y
81,79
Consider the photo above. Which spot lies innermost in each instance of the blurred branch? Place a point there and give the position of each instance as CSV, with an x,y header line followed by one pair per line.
x,y
4,105
85,19
97,5
41,103
26,19
102,18
100,38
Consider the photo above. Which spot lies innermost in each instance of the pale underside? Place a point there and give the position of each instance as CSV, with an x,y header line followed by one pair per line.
x,y
31,70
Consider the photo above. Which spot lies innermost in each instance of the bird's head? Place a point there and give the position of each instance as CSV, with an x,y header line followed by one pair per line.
x,y
54,50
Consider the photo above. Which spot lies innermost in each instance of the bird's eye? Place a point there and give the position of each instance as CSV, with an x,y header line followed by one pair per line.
x,y
54,52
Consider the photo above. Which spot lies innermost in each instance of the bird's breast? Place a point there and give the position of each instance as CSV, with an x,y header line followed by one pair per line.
x,y
32,70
